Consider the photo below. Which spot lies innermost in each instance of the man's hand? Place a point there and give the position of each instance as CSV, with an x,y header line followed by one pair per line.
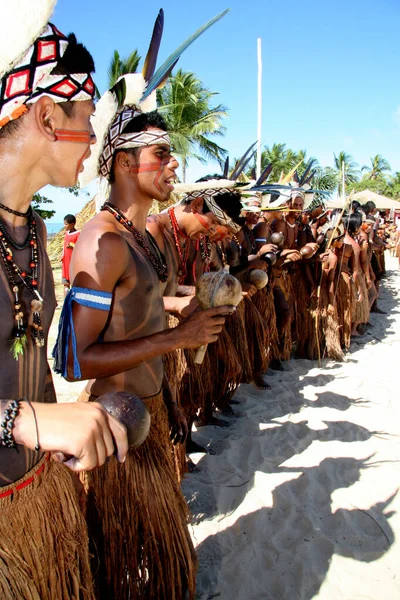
x,y
186,305
291,255
83,430
202,327
249,289
267,248
178,424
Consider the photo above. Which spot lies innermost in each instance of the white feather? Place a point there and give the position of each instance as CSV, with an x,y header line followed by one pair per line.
x,y
106,109
22,22
186,188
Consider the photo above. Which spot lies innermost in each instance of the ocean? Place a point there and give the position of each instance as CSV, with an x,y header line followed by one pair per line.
x,y
53,228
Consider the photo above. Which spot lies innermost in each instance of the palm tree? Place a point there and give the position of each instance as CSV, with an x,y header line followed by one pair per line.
x,y
351,173
186,105
120,66
379,167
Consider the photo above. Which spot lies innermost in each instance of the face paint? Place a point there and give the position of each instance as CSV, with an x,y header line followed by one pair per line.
x,y
76,136
71,135
154,166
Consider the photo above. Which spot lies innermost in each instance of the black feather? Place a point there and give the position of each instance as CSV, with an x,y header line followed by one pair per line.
x,y
226,168
265,174
242,162
150,62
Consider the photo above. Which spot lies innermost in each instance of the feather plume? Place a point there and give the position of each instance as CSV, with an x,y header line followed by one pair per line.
x,y
285,179
265,174
253,174
296,177
242,162
23,22
307,170
309,178
159,76
150,62
200,186
167,74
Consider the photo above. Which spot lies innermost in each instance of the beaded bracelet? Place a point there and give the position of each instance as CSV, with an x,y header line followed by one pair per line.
x,y
7,424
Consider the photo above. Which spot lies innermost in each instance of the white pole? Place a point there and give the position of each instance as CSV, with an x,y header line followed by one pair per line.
x,y
259,61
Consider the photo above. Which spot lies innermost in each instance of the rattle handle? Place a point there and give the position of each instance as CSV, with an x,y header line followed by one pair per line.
x,y
200,353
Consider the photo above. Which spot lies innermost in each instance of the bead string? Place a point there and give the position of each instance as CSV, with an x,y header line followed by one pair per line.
x,y
16,212
182,253
16,277
158,259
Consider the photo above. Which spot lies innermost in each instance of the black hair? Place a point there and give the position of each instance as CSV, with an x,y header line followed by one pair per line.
x,y
355,205
229,202
137,124
352,222
76,59
70,219
368,207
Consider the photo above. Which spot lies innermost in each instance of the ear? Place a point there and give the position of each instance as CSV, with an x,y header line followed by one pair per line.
x,y
197,205
47,117
124,161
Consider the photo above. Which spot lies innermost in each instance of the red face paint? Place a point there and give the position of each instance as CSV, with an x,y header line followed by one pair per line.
x,y
71,135
156,165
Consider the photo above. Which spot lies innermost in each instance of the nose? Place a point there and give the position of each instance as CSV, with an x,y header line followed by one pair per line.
x,y
93,138
173,162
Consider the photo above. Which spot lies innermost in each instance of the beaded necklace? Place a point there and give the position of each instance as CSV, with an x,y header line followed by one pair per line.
x,y
17,277
221,253
183,253
158,259
16,212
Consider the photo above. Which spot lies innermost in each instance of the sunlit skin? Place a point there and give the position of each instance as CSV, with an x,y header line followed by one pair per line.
x,y
252,218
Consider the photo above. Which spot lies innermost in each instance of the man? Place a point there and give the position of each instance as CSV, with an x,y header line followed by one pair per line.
x,y
204,212
70,238
45,134
137,515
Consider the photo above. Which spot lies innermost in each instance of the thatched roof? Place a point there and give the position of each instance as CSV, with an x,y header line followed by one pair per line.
x,y
55,245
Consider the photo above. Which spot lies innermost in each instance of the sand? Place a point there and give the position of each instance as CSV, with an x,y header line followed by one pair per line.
x,y
300,500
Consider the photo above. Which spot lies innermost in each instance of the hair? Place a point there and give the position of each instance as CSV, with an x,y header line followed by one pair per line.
x,y
368,207
352,222
70,219
76,59
355,205
229,202
140,123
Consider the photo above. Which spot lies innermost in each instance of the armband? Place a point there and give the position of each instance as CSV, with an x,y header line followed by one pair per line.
x,y
66,331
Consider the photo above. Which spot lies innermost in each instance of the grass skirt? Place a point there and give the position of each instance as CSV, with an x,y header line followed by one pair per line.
x,y
326,320
303,325
235,325
281,280
256,332
137,519
43,538
361,311
345,302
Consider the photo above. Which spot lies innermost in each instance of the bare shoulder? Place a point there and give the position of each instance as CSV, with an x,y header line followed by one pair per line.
x,y
279,226
101,255
261,229
155,224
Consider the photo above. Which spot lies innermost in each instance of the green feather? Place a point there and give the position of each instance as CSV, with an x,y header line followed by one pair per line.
x,y
18,346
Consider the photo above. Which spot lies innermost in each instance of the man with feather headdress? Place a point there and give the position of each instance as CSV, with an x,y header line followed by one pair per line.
x,y
136,512
46,100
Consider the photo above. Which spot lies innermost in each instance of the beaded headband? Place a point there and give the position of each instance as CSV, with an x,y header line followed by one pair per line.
x,y
117,140
208,197
31,79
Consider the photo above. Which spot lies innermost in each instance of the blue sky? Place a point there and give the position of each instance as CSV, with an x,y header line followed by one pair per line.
x,y
330,69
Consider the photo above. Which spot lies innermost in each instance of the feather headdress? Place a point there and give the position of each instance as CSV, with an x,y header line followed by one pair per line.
x,y
30,48
136,93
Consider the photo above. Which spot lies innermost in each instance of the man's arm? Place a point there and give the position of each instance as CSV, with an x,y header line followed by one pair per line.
x,y
94,267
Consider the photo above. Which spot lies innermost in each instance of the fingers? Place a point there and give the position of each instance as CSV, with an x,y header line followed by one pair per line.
x,y
119,439
220,310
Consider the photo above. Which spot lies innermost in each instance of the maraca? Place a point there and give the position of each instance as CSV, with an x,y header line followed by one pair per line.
x,y
216,289
258,278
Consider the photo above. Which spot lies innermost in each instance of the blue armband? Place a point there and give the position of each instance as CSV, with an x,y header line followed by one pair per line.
x,y
66,330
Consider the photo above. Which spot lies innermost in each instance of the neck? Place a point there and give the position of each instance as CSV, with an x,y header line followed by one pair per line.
x,y
290,218
20,177
135,206
182,218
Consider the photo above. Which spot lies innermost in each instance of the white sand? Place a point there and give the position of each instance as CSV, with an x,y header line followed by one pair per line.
x,y
300,500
